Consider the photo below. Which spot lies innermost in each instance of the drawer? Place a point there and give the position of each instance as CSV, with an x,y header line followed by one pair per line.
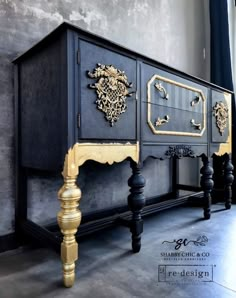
x,y
174,109
166,120
107,104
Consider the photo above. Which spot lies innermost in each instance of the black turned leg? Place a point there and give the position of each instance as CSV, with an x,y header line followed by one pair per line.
x,y
136,202
175,177
218,178
228,180
207,185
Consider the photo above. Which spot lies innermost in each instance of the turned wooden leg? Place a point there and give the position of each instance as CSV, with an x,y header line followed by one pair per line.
x,y
228,180
207,185
218,178
136,202
69,219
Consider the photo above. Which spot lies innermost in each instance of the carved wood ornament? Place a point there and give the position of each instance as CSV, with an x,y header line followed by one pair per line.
x,y
220,111
180,151
112,91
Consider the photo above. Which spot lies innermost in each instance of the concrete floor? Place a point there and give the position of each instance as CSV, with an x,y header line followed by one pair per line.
x,y
107,268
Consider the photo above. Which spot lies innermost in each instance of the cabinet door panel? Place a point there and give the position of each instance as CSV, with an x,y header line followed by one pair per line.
x,y
105,114
219,113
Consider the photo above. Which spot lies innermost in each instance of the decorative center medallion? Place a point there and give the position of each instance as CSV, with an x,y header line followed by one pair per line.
x,y
112,91
180,151
220,111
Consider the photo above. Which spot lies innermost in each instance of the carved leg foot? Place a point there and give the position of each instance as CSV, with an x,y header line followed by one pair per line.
x,y
136,202
207,185
69,219
228,180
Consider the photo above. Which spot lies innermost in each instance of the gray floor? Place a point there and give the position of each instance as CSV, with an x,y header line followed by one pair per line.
x,y
107,268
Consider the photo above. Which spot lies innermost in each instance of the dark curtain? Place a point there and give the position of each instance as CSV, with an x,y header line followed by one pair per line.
x,y
221,73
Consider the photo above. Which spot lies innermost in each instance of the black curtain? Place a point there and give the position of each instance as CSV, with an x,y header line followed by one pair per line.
x,y
221,73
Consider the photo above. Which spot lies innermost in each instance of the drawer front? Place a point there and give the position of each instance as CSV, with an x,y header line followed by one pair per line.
x,y
107,97
174,109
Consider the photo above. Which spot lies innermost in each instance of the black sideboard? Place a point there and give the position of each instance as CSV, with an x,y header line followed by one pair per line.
x,y
80,97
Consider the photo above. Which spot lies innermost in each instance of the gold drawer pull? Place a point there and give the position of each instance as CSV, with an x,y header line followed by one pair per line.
x,y
196,125
160,121
160,88
195,101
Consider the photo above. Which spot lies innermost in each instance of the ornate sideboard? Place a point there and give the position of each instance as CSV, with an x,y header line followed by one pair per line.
x,y
80,97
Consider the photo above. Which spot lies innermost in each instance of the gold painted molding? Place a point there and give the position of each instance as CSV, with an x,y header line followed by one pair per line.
x,y
227,147
174,133
102,153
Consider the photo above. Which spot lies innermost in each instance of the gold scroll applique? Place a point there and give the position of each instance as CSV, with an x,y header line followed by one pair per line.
x,y
220,111
112,90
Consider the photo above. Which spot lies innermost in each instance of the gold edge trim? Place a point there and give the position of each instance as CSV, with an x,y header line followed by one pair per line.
x,y
177,84
100,152
175,133
227,146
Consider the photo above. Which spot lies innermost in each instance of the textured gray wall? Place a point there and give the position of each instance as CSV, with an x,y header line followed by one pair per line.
x,y
173,32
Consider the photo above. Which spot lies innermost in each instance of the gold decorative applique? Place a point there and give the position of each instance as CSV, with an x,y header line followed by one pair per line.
x,y
161,89
220,111
160,122
112,91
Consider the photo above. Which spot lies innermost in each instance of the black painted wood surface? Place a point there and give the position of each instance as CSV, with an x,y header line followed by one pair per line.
x,y
207,184
54,96
136,202
228,181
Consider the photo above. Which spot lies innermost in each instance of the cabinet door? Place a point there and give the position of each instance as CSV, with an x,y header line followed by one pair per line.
x,y
221,123
220,116
107,94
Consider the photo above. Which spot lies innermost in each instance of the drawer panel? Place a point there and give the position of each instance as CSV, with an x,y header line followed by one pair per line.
x,y
164,120
108,110
173,108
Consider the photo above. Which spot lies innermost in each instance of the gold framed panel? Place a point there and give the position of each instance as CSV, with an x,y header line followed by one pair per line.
x,y
149,112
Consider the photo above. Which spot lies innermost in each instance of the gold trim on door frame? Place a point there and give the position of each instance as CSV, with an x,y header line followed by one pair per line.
x,y
175,133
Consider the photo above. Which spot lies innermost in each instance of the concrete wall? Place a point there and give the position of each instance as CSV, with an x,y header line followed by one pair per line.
x,y
173,32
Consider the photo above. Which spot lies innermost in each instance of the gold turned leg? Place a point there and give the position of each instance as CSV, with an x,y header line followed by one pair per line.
x,y
69,219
